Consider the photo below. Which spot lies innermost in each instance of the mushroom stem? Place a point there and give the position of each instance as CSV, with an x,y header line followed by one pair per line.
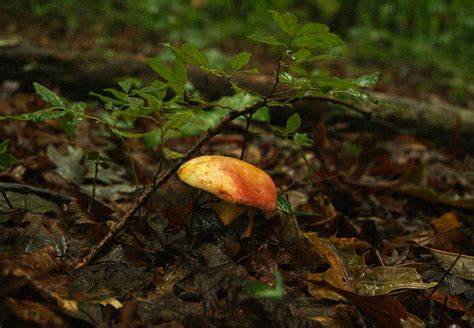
x,y
227,212
248,230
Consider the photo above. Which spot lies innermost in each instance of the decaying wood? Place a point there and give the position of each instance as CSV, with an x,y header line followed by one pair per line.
x,y
437,120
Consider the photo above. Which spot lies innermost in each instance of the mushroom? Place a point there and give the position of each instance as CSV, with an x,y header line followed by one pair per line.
x,y
241,185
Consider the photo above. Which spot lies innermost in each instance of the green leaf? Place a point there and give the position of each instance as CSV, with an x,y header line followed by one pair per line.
x,y
302,139
132,135
153,138
117,93
286,77
104,165
367,80
293,123
190,54
283,205
179,73
358,94
3,146
171,154
177,120
106,99
287,22
7,160
259,290
93,156
262,115
314,35
40,115
240,60
313,28
125,85
164,71
301,55
271,40
48,95
154,103
298,70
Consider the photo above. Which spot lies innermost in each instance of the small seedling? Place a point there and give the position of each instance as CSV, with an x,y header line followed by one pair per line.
x,y
99,161
263,291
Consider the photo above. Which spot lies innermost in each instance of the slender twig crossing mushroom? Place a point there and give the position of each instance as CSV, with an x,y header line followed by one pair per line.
x,y
241,185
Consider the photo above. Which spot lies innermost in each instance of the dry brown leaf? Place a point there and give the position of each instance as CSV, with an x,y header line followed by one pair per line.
x,y
447,221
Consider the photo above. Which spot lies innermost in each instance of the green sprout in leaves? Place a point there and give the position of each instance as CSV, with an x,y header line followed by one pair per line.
x,y
101,162
263,291
6,160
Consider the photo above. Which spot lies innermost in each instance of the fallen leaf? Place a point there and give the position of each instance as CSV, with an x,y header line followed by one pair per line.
x,y
349,272
445,222
68,166
457,264
34,312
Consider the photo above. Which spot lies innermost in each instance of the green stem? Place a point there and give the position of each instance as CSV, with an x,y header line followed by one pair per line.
x,y
96,172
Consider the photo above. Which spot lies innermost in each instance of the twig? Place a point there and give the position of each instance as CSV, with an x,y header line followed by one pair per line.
x,y
445,275
246,136
334,101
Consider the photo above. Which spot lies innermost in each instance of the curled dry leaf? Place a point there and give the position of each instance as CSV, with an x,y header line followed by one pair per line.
x,y
349,272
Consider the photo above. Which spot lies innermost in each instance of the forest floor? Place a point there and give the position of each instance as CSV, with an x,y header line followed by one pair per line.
x,y
374,228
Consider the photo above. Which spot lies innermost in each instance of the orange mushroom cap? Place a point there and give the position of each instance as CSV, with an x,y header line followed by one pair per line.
x,y
232,180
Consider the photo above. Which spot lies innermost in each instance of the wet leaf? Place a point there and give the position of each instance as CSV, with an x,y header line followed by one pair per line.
x,y
367,80
349,272
48,95
26,202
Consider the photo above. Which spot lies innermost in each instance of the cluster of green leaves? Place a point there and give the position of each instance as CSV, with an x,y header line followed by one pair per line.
x,y
69,115
176,110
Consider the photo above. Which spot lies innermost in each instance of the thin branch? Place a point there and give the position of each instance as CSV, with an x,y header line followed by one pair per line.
x,y
246,136
334,101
